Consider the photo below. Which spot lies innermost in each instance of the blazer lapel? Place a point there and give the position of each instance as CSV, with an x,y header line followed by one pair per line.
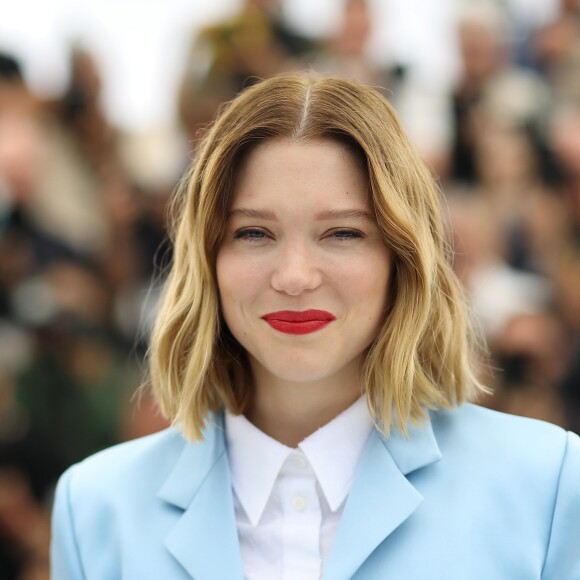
x,y
381,497
204,540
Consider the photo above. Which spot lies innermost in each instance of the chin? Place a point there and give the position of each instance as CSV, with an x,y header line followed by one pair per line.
x,y
302,376
303,370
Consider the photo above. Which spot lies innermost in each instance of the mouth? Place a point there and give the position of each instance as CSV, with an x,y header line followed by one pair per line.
x,y
294,322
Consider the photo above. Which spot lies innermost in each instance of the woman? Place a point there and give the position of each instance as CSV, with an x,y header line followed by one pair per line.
x,y
314,354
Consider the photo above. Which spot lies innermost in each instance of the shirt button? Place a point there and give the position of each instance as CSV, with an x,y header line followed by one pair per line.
x,y
299,503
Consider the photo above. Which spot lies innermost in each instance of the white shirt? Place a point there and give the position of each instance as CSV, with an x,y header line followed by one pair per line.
x,y
289,502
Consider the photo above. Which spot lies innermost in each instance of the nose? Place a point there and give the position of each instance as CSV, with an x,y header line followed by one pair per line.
x,y
296,270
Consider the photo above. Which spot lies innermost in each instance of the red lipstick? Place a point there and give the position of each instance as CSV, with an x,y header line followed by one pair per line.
x,y
294,322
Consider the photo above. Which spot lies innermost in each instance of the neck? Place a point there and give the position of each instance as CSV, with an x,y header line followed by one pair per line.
x,y
291,411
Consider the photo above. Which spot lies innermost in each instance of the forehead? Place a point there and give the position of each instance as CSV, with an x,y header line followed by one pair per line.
x,y
318,171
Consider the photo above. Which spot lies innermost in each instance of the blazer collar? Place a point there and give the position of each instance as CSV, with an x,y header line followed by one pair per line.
x,y
381,497
204,539
417,450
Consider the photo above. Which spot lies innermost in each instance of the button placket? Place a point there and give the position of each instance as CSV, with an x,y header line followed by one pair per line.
x,y
302,519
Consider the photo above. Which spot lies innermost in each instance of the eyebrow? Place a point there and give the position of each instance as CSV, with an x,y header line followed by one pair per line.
x,y
325,215
344,214
252,213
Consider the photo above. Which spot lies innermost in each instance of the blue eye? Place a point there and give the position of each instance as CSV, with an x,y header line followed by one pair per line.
x,y
250,234
346,234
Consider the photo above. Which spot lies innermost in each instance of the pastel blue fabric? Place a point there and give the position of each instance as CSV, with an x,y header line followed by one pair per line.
x,y
471,494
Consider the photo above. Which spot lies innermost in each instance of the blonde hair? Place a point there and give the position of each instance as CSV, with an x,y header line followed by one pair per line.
x,y
423,356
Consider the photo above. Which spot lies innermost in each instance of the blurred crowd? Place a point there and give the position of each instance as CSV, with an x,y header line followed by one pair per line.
x,y
83,245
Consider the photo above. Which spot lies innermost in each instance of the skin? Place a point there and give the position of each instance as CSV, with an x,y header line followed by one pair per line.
x,y
287,247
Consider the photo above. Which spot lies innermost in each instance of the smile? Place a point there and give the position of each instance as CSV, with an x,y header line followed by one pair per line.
x,y
293,322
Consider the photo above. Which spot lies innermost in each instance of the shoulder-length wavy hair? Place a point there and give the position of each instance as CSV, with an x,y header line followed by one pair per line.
x,y
422,357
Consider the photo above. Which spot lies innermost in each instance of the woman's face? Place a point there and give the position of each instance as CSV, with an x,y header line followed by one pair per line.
x,y
303,272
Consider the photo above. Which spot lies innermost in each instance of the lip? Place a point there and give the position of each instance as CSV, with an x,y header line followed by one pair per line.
x,y
299,322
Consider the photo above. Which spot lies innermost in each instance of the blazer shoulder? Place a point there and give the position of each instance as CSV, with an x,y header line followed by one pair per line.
x,y
492,421
143,462
509,441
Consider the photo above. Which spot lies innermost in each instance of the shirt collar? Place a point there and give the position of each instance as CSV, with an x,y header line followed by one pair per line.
x,y
255,461
333,452
335,449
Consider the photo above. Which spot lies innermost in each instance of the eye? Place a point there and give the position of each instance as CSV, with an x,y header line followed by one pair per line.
x,y
250,235
343,234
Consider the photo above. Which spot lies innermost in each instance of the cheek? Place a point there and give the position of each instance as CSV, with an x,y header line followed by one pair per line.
x,y
373,302
237,281
370,281
382,285
226,276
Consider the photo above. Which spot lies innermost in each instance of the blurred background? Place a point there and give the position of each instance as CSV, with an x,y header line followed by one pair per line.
x,y
101,105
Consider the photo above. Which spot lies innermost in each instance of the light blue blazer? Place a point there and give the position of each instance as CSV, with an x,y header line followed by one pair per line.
x,y
471,495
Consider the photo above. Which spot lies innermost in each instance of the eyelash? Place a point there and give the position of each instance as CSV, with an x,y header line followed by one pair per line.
x,y
254,234
250,234
346,234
